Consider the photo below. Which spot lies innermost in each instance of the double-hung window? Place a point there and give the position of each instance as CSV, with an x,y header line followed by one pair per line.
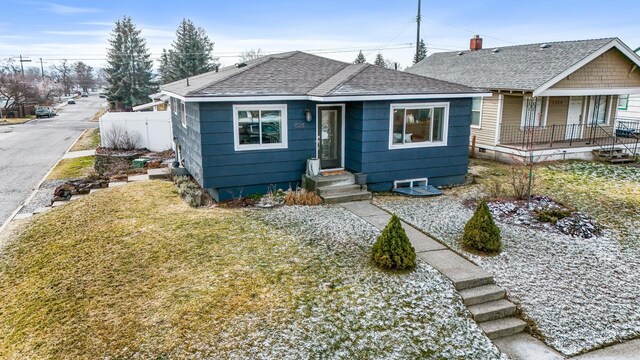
x,y
476,111
183,113
259,127
623,102
598,109
533,111
418,125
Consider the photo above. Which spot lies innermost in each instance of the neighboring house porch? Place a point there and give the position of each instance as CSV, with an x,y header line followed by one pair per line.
x,y
559,99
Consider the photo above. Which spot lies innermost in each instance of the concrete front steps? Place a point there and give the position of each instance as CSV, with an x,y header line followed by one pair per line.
x,y
334,189
495,315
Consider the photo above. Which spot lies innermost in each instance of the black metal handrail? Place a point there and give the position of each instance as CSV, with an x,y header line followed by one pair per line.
x,y
542,135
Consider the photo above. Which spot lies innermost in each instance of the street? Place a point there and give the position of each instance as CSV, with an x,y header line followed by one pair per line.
x,y
28,151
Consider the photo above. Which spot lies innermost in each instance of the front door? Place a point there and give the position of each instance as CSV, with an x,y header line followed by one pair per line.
x,y
574,118
330,137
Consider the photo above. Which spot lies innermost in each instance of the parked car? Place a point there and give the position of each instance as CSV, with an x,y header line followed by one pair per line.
x,y
85,94
71,102
44,111
102,95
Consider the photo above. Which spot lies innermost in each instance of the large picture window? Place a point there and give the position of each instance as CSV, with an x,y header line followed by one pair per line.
x,y
260,127
419,125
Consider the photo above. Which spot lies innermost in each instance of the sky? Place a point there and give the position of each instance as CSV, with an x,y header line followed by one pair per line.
x,y
79,30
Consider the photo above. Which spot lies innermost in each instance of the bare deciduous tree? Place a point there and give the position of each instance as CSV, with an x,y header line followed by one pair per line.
x,y
251,55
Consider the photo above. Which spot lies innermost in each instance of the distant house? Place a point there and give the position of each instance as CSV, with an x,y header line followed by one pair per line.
x,y
558,98
629,105
247,127
159,102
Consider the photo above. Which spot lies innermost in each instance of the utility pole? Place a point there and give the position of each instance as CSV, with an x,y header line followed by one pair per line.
x,y
42,68
418,33
22,61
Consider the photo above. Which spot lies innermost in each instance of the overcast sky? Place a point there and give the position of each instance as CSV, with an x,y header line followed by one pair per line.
x,y
79,30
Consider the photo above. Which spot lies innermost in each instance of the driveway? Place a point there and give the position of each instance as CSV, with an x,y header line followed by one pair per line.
x,y
28,151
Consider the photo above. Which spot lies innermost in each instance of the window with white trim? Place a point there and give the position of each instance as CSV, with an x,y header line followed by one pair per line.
x,y
476,111
598,109
174,105
533,111
623,102
183,113
419,125
259,127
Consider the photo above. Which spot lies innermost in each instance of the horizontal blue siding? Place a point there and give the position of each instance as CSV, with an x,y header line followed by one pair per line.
x,y
189,140
443,165
229,173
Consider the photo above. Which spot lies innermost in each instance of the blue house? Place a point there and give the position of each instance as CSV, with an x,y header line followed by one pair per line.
x,y
244,128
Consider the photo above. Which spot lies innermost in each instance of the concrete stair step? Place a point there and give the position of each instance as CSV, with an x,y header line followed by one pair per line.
x,y
492,310
503,327
482,294
159,173
462,273
347,197
337,189
315,182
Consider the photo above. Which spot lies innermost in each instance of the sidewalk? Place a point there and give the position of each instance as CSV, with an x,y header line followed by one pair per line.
x,y
77,154
462,273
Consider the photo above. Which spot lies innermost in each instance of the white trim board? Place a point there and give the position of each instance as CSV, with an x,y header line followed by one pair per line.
x,y
342,161
323,98
615,43
590,91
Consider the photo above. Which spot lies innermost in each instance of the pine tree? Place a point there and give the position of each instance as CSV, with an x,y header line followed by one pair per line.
x,y
190,54
84,75
481,232
392,250
422,52
380,61
360,59
128,67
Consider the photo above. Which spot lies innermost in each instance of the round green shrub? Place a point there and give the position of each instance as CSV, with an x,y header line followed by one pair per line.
x,y
392,250
481,232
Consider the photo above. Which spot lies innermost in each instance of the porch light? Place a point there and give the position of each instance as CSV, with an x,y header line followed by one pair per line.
x,y
307,115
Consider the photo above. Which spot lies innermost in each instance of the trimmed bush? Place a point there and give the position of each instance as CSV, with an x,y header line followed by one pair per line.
x,y
481,232
392,250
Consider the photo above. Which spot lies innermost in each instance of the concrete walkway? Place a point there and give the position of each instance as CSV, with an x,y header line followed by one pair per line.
x,y
77,154
462,273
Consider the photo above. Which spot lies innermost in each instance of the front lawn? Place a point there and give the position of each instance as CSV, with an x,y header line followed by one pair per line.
x,y
581,293
89,140
133,272
72,168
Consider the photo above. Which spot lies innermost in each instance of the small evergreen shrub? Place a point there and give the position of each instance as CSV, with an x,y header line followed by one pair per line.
x,y
392,250
481,232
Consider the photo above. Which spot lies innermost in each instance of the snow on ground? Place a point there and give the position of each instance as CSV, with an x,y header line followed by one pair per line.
x,y
581,293
362,312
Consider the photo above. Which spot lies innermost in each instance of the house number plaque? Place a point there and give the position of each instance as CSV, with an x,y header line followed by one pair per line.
x,y
298,125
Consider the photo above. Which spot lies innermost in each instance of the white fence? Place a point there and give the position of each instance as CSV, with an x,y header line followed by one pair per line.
x,y
154,128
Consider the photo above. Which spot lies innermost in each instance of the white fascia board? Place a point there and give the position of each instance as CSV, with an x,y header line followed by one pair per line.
x,y
323,98
590,92
615,43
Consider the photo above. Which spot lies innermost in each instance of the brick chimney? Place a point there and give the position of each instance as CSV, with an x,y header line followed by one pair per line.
x,y
476,43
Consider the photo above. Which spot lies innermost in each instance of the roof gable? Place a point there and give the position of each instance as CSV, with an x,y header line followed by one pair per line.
x,y
531,67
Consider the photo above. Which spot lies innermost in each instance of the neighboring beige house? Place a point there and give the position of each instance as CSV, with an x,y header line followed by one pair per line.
x,y
557,100
160,102
629,105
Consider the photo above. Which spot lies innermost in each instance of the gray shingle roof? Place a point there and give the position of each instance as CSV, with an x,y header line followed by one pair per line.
x,y
298,73
520,67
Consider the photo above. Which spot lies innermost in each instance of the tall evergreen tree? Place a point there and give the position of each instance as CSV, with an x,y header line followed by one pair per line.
x,y
129,67
190,54
360,59
422,52
84,75
380,61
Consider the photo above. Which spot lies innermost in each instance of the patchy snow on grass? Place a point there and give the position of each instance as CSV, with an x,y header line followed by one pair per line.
x,y
358,311
581,293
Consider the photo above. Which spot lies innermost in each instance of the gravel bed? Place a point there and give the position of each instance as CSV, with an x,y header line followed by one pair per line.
x,y
42,197
362,312
581,293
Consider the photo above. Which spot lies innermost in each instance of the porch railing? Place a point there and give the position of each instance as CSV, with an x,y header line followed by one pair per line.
x,y
625,131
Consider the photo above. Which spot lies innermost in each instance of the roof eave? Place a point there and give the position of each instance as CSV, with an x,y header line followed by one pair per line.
x,y
615,43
